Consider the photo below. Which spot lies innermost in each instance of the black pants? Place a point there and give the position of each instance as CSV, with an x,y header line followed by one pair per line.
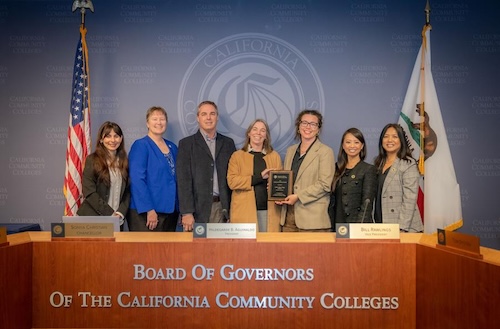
x,y
137,222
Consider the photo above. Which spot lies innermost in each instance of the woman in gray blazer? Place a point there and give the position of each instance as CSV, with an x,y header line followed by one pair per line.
x,y
398,181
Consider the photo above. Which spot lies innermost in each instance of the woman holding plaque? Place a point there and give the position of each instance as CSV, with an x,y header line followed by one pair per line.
x,y
398,181
153,183
247,177
313,167
105,176
354,183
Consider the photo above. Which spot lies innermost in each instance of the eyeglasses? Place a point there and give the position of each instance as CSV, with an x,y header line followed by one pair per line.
x,y
310,124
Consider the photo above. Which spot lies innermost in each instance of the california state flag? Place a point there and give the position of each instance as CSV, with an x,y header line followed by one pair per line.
x,y
420,117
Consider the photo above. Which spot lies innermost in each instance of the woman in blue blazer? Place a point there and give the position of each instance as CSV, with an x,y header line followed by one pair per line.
x,y
153,184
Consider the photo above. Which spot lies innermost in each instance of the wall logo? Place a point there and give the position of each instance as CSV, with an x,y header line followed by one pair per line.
x,y
251,76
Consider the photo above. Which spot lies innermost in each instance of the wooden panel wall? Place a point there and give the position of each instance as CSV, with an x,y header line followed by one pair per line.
x,y
15,286
455,291
106,268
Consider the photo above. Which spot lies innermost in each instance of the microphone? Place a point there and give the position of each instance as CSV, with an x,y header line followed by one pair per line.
x,y
80,197
225,215
367,202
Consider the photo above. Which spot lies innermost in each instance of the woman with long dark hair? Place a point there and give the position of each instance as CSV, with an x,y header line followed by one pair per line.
x,y
398,181
105,176
354,183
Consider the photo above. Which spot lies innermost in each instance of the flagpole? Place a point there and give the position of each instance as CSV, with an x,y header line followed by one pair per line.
x,y
79,137
83,5
427,13
421,106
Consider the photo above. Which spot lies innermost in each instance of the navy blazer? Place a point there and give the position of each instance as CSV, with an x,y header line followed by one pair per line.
x,y
352,191
152,183
195,167
96,194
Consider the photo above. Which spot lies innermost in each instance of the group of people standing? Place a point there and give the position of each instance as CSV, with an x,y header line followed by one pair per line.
x,y
205,179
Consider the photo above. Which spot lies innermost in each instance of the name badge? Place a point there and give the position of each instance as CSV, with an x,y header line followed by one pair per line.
x,y
368,231
225,230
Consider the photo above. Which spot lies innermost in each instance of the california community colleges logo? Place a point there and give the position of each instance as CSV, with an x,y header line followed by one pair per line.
x,y
250,76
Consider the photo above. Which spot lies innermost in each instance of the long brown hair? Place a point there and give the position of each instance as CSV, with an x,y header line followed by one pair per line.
x,y
267,142
102,158
404,152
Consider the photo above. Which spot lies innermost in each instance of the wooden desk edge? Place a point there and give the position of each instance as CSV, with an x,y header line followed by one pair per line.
x,y
430,240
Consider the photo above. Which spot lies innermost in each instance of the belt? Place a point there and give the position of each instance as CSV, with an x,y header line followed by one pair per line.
x,y
215,198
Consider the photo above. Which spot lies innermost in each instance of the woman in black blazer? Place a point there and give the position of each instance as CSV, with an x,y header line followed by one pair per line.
x,y
355,182
105,176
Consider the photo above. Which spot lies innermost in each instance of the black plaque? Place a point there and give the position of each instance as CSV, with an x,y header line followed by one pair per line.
x,y
280,184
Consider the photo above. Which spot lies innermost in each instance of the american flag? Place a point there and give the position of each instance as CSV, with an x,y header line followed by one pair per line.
x,y
79,143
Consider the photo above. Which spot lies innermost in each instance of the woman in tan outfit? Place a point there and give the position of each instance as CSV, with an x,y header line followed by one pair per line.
x,y
247,176
313,166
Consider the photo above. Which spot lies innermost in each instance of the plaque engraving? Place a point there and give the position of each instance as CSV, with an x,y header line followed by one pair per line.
x,y
280,184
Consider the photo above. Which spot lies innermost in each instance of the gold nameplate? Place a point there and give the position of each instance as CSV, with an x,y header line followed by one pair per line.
x,y
280,184
82,230
463,244
367,231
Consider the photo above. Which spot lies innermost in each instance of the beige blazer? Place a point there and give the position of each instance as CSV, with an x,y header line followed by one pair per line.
x,y
312,185
239,178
